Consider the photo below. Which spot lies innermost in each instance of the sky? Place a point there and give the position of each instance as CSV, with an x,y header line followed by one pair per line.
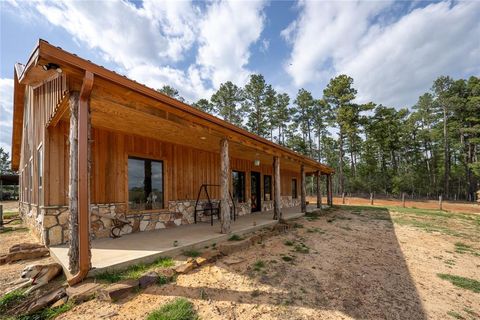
x,y
392,49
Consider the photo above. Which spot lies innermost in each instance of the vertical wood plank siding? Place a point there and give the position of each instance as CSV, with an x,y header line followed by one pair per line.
x,y
185,168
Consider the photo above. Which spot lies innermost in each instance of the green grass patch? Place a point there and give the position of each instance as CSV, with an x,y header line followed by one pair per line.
x,y
235,237
48,313
192,253
178,309
463,248
428,226
302,248
297,225
10,299
135,271
288,243
287,258
455,315
259,265
461,282
315,230
7,215
10,229
450,262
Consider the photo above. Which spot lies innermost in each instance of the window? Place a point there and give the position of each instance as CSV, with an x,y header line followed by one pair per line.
x,y
145,184
294,188
267,188
238,179
30,181
40,175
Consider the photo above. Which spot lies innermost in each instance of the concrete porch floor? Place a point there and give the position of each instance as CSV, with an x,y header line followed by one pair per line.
x,y
146,247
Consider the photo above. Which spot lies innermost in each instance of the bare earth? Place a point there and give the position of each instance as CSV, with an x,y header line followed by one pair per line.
x,y
360,265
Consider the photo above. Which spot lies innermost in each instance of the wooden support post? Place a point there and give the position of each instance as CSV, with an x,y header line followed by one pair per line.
x,y
330,185
224,186
79,248
327,180
403,199
319,190
440,202
73,184
277,201
371,198
303,202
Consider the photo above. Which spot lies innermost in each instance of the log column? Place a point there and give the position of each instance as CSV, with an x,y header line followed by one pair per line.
x,y
303,201
79,250
224,186
319,190
277,202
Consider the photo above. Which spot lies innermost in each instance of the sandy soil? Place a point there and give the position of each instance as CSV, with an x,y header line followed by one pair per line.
x,y
450,206
10,272
361,264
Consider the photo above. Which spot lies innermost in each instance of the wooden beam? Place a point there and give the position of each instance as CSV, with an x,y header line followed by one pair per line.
x,y
62,108
224,186
83,165
277,201
303,190
319,190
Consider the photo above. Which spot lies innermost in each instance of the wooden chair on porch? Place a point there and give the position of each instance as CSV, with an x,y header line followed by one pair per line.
x,y
211,207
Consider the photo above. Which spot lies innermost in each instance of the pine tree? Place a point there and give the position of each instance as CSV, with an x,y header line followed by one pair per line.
x,y
171,92
226,102
255,106
303,117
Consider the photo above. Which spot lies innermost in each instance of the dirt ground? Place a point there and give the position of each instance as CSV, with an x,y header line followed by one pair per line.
x,y
9,205
9,272
450,206
350,263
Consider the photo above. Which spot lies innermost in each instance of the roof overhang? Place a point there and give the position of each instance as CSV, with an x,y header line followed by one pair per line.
x,y
18,101
75,67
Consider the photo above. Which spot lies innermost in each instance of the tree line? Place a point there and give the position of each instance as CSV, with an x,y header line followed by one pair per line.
x,y
427,150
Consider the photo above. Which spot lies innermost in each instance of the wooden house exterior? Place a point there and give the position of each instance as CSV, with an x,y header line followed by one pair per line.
x,y
129,151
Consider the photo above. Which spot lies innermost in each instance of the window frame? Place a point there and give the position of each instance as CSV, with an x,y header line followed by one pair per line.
x,y
264,189
164,171
40,178
294,183
244,198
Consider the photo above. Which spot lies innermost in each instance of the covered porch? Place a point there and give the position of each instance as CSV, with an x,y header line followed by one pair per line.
x,y
145,247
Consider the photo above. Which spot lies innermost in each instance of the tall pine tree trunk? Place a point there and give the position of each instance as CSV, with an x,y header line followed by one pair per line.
x,y
340,169
446,155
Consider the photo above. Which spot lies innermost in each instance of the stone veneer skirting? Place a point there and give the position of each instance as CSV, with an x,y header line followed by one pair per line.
x,y
51,224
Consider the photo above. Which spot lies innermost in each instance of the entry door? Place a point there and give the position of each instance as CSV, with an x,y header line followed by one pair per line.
x,y
255,192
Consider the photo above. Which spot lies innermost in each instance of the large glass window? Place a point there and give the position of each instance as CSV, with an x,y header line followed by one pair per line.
x,y
40,175
238,179
294,188
145,184
267,188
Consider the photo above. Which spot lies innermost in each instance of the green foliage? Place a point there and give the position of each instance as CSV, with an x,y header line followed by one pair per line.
x,y
235,237
461,282
171,92
10,299
178,309
135,271
5,166
204,105
259,265
192,253
226,102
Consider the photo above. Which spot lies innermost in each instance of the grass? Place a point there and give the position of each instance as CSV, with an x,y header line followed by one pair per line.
x,y
235,237
48,313
178,309
192,253
455,315
463,248
302,248
135,271
288,243
9,229
259,265
10,299
461,282
287,258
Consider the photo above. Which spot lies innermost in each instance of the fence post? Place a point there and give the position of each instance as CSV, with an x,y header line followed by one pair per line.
x,y
343,198
440,200
371,198
403,199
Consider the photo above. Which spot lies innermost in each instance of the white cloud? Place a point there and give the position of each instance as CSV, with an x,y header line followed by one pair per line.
x,y
6,113
226,34
392,61
152,43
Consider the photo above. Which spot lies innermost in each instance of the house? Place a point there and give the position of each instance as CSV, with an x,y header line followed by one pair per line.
x,y
95,147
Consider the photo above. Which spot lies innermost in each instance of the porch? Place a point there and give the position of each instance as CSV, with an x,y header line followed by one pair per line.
x,y
145,247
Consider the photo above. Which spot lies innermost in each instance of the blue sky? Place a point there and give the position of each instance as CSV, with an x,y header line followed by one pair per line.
x,y
393,50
